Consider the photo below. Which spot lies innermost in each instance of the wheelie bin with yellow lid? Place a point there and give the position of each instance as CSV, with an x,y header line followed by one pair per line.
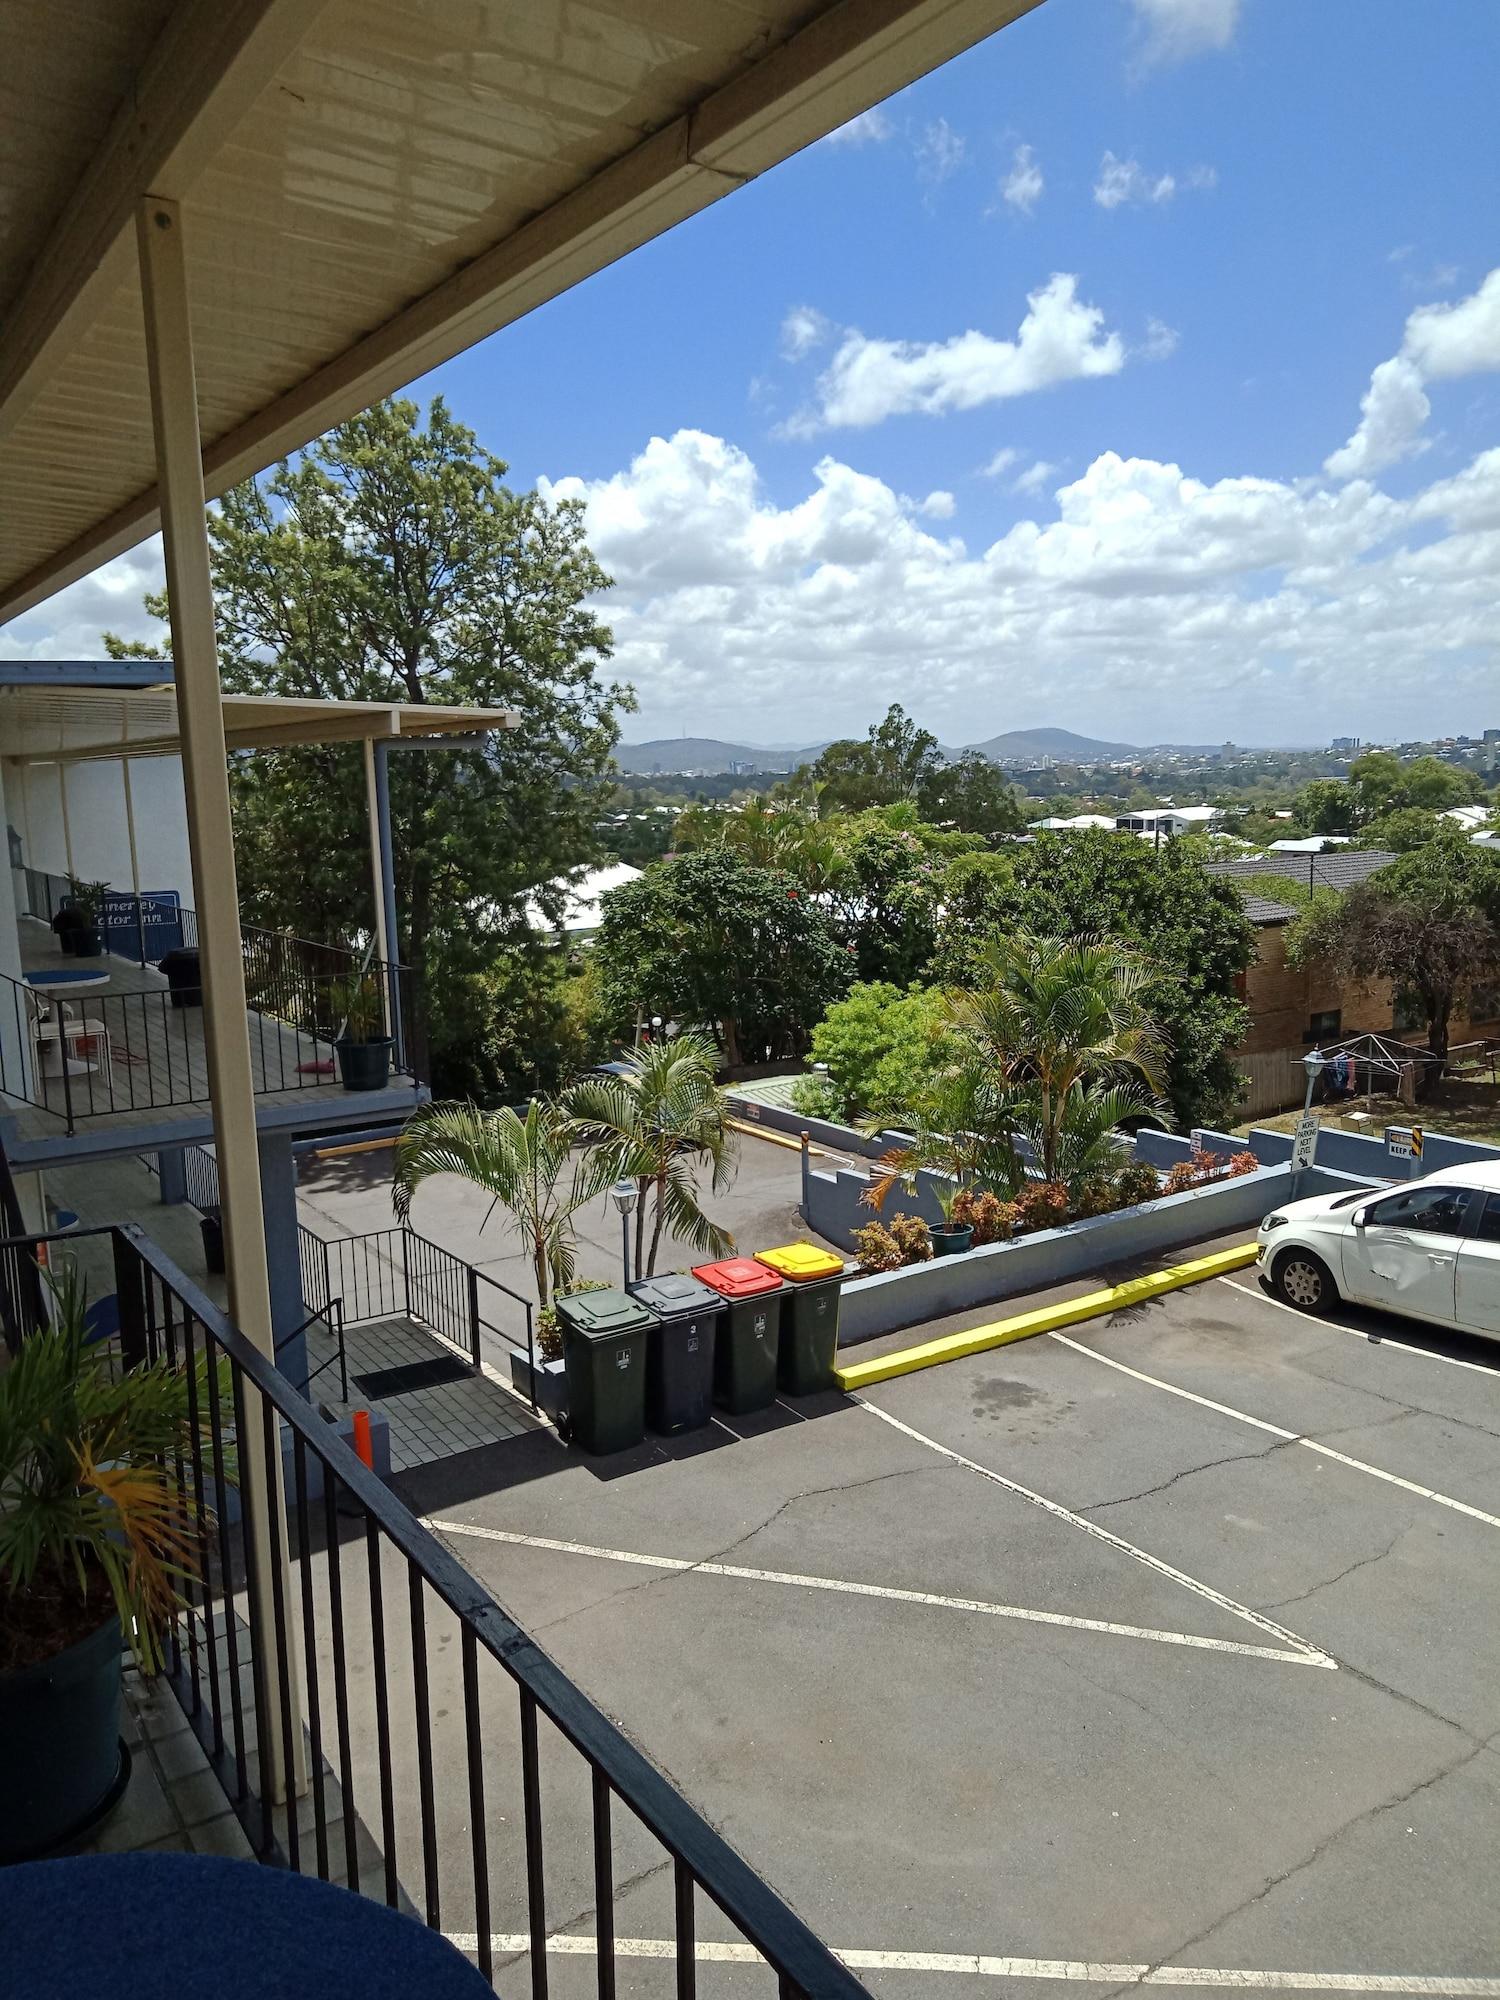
x,y
809,1315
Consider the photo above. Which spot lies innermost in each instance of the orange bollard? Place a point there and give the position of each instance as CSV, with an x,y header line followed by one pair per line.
x,y
362,1441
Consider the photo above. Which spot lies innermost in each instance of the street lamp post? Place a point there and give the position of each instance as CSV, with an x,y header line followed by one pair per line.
x,y
624,1194
1314,1062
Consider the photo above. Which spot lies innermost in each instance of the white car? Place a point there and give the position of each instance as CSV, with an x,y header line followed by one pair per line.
x,y
1429,1249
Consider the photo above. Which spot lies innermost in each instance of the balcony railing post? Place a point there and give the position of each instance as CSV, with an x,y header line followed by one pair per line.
x,y
130,1290
473,1277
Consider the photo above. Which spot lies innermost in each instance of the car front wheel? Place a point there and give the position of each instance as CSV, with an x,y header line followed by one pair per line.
x,y
1304,1281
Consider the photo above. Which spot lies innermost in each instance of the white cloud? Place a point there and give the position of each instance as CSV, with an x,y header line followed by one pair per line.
x,y
870,128
1060,340
1242,606
803,329
1126,181
1035,477
1002,462
940,152
1023,186
940,505
1441,343
1160,342
68,626
1172,30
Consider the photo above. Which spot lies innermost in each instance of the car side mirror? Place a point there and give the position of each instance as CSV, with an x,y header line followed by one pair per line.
x,y
1360,1217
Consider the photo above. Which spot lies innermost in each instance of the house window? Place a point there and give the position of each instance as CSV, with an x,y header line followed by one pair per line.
x,y
1321,1026
1407,1013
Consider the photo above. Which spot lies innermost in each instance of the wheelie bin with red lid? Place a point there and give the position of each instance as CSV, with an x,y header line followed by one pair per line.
x,y
749,1334
604,1347
679,1351
809,1316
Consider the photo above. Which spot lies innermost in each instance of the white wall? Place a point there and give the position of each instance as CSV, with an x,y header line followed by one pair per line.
x,y
95,824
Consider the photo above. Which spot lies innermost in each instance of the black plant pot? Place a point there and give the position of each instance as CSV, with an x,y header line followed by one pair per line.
x,y
364,1065
211,1228
60,1745
951,1239
86,942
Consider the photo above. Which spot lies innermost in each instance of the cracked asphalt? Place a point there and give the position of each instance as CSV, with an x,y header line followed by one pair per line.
x,y
917,1778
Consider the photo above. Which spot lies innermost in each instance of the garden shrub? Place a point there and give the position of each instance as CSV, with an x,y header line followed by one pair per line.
x,y
1097,1194
1136,1183
991,1219
1041,1205
882,1246
1201,1168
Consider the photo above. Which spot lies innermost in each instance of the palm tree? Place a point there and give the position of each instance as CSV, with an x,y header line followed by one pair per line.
x,y
657,1123
1063,1026
962,1128
520,1161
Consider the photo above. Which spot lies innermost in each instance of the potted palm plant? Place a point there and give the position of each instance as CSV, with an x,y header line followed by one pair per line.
x,y
86,900
95,1537
362,1045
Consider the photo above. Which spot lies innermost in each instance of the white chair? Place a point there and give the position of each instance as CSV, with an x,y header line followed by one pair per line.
x,y
57,1039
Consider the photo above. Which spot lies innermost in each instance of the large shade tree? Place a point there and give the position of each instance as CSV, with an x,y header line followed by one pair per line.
x,y
742,952
391,562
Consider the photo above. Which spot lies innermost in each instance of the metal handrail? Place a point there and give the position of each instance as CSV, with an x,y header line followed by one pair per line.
x,y
164,1312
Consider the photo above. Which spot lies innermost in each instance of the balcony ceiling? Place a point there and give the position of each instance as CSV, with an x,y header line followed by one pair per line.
x,y
369,186
53,725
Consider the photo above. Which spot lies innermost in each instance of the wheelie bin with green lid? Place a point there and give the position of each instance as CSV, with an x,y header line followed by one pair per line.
x,y
604,1338
679,1351
749,1333
809,1316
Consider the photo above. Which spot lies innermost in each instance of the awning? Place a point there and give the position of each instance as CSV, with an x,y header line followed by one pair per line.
x,y
51,725
368,187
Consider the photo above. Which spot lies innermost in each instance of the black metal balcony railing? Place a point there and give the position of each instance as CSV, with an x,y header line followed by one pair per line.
x,y
397,1273
359,1676
131,1051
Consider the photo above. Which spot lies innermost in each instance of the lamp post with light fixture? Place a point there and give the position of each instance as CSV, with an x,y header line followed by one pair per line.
x,y
624,1194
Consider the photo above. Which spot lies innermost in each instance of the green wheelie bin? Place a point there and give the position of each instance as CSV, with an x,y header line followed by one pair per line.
x,y
809,1317
604,1338
749,1335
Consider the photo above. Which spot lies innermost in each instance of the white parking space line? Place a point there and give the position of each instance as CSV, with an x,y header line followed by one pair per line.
x,y
1308,1652
988,1966
1291,1437
1302,1656
1379,1340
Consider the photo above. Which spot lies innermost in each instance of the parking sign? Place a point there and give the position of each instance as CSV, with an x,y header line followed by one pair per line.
x,y
1305,1143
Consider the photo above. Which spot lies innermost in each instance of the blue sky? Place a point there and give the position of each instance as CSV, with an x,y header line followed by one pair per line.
x,y
1154,512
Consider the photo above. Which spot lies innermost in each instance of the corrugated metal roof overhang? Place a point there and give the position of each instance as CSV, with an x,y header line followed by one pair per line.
x,y
64,725
369,186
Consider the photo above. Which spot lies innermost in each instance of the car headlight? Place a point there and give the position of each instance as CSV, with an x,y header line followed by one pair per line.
x,y
1273,1222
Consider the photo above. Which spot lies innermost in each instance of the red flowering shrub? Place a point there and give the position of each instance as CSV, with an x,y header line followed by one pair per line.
x,y
991,1219
1041,1205
1201,1167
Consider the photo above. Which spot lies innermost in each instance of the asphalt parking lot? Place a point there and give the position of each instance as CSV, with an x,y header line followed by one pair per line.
x,y
1166,1643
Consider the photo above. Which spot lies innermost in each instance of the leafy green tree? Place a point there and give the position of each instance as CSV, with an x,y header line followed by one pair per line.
x,y
525,1162
1400,831
390,562
1429,923
1327,805
896,760
661,1122
1382,784
880,1047
767,835
973,795
1189,926
721,945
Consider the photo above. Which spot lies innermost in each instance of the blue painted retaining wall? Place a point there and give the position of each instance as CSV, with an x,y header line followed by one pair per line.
x,y
1340,1152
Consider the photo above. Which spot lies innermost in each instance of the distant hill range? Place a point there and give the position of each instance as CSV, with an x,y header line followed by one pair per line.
x,y
669,754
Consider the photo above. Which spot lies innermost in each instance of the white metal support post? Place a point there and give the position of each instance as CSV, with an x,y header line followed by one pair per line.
x,y
179,466
377,878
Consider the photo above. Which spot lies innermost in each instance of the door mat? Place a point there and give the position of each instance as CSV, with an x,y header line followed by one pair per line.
x,y
412,1375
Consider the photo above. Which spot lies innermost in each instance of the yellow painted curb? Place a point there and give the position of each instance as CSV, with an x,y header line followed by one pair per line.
x,y
1068,1312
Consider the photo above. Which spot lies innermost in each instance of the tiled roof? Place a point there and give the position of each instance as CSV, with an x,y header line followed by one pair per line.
x,y
1260,910
1339,868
